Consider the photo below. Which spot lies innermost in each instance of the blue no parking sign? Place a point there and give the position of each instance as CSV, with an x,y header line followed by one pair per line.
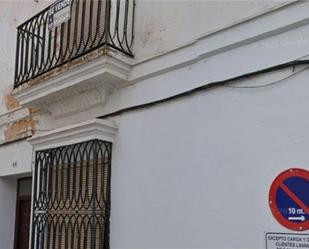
x,y
289,199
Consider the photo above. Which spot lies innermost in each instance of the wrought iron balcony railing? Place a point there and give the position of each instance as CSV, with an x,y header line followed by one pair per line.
x,y
92,24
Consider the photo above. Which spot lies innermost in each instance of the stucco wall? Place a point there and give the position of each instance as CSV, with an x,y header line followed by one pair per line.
x,y
7,212
15,159
12,14
195,173
159,26
164,25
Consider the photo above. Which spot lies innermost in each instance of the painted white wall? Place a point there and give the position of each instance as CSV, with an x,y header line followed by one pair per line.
x,y
165,25
16,159
12,14
159,26
8,187
195,173
15,162
248,47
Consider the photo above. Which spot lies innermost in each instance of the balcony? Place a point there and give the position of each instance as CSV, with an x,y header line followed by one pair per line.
x,y
60,58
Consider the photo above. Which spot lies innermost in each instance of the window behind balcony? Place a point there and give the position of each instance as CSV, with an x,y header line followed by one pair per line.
x,y
71,207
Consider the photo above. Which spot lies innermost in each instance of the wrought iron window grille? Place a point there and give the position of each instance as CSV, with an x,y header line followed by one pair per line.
x,y
93,24
71,197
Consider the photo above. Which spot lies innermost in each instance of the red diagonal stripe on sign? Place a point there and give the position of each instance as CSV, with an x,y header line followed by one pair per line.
x,y
294,197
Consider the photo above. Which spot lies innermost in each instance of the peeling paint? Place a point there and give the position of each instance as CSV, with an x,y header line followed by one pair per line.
x,y
20,129
10,102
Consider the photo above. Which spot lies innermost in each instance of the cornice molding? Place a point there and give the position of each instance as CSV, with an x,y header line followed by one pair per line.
x,y
76,133
92,78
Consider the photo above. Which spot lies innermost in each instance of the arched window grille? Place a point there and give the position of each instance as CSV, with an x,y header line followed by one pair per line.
x,y
71,197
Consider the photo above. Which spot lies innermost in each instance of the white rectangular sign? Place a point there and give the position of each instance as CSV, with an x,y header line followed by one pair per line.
x,y
287,241
58,13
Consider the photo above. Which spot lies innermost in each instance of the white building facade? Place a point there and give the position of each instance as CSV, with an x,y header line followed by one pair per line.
x,y
149,124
